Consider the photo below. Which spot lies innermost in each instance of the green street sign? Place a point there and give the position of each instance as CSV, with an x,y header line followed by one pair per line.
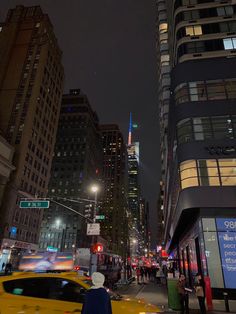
x,y
34,204
100,217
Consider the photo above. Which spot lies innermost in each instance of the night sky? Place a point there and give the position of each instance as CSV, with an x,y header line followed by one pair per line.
x,y
109,53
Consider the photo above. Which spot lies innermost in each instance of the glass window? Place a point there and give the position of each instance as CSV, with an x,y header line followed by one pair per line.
x,y
193,30
208,224
211,172
202,128
197,91
184,130
222,127
228,171
213,259
229,43
54,288
181,93
215,90
188,174
28,287
221,11
230,88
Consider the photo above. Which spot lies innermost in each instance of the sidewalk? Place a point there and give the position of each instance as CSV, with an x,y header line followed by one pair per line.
x,y
158,295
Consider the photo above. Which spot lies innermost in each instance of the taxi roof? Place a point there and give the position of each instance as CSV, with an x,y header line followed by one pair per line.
x,y
68,275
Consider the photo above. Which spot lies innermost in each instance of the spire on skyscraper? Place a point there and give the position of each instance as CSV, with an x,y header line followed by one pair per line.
x,y
130,129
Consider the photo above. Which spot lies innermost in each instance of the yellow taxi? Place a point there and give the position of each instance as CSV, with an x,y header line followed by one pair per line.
x,y
57,293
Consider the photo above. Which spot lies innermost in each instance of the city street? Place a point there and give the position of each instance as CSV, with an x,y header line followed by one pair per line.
x,y
158,295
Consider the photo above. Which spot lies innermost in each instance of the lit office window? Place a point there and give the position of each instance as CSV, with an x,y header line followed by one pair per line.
x,y
211,172
193,30
229,43
163,27
228,171
188,174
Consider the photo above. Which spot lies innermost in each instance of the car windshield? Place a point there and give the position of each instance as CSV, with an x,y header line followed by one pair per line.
x,y
113,296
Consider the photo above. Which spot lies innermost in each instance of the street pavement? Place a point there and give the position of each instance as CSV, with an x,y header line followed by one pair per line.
x,y
158,295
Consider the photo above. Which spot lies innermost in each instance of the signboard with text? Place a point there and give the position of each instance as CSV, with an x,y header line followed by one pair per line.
x,y
34,204
226,228
93,229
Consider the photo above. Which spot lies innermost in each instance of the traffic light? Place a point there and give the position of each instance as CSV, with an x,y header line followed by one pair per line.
x,y
97,248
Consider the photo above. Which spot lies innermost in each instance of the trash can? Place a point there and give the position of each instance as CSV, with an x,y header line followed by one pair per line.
x,y
173,296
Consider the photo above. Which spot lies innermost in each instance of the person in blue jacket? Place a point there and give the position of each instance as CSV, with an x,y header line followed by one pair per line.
x,y
97,299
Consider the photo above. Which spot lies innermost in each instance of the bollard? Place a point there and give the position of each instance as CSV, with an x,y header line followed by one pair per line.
x,y
208,293
226,298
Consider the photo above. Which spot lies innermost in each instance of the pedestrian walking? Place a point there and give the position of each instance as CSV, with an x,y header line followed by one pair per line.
x,y
158,276
142,274
138,273
3,266
183,294
8,268
200,292
97,299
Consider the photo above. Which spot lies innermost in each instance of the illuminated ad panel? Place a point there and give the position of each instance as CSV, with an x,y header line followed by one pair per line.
x,y
226,228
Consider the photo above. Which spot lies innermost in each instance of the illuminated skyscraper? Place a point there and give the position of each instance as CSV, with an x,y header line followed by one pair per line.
x,y
31,84
114,206
197,49
76,166
133,189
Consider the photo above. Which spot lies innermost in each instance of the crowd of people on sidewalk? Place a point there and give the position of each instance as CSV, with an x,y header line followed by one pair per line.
x,y
159,275
152,274
184,290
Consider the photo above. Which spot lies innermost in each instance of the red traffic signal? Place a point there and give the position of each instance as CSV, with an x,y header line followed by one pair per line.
x,y
97,248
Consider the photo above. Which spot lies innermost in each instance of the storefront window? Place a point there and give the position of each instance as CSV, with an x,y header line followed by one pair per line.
x,y
210,172
213,259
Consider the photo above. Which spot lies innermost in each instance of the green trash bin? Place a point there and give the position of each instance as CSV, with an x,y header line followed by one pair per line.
x,y
173,296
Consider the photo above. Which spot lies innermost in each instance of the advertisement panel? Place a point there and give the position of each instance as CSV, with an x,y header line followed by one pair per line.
x,y
46,261
227,242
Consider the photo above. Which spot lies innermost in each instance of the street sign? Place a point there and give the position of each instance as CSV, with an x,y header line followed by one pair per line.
x,y
34,204
100,217
93,229
52,249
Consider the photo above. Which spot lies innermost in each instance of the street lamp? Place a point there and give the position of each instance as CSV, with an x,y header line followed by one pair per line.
x,y
94,189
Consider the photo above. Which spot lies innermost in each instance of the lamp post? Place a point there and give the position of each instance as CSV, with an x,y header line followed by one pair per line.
x,y
92,268
94,189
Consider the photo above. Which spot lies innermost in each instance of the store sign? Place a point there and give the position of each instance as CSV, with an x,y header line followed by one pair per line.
x,y
221,150
226,224
227,243
18,244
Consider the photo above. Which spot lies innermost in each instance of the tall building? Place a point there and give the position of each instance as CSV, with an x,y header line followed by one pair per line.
x,y
114,205
164,69
6,166
200,180
160,217
133,191
31,84
76,166
144,227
